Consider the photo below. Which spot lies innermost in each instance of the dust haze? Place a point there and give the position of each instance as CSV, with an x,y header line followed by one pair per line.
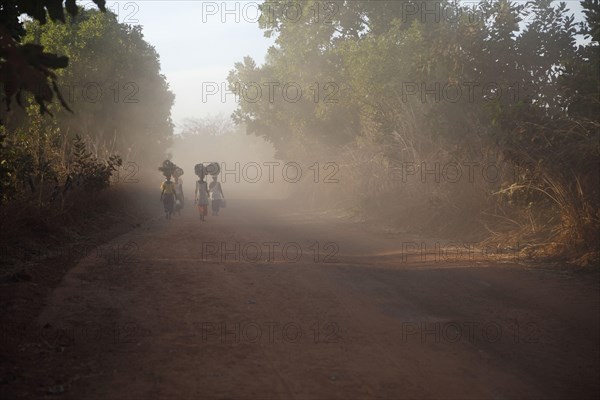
x,y
250,168
410,204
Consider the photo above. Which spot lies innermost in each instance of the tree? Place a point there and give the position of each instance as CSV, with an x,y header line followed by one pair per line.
x,y
26,67
120,100
459,84
120,107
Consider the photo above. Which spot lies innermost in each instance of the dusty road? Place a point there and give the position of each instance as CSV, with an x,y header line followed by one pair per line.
x,y
230,309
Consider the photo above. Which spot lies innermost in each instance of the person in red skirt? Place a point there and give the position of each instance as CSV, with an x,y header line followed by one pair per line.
x,y
201,193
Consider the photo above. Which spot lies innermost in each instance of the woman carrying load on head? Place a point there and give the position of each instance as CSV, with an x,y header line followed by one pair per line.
x,y
201,192
178,189
167,188
168,196
218,198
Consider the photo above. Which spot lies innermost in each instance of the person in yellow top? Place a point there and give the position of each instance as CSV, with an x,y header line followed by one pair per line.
x,y
168,196
178,189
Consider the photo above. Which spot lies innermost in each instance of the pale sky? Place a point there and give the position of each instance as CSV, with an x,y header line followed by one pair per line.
x,y
199,42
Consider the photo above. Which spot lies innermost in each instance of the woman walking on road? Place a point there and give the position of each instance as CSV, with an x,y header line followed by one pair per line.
x,y
167,188
178,190
201,195
218,198
168,196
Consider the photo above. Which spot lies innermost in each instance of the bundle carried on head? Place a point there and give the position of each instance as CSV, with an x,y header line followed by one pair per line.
x,y
167,168
211,169
177,172
199,170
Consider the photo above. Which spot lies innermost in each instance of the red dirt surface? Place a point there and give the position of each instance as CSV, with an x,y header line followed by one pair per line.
x,y
230,309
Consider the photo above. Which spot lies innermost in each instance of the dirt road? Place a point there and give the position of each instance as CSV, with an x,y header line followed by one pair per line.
x,y
265,303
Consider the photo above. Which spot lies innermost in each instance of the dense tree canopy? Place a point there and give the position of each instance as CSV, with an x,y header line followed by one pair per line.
x,y
447,85
114,85
119,104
